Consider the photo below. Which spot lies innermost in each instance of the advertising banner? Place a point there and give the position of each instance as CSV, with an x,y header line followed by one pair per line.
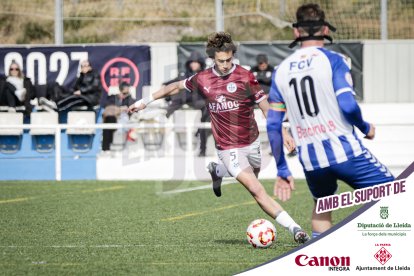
x,y
374,240
48,64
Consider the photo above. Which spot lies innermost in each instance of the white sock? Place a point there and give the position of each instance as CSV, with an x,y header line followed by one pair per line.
x,y
221,170
286,221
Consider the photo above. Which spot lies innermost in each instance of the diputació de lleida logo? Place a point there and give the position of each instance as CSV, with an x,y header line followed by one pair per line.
x,y
384,212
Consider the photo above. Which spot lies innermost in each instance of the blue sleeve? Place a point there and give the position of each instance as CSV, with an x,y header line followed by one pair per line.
x,y
343,87
341,74
274,132
351,111
274,93
274,128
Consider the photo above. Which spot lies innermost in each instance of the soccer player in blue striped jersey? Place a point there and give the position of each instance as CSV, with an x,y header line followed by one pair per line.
x,y
314,86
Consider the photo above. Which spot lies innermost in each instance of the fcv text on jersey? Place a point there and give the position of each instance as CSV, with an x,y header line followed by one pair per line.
x,y
315,129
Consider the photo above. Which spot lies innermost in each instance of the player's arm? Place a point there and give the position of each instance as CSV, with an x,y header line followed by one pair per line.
x,y
343,87
284,181
165,91
352,113
274,132
262,101
288,141
264,107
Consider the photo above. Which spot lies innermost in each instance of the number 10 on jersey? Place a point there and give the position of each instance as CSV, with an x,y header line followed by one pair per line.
x,y
302,95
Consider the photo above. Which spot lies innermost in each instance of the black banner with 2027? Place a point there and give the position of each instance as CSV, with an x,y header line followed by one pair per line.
x,y
60,64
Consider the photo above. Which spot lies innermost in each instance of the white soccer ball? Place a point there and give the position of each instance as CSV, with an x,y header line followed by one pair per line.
x,y
261,233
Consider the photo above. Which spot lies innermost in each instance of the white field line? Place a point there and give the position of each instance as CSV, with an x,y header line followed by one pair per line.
x,y
81,246
14,200
225,182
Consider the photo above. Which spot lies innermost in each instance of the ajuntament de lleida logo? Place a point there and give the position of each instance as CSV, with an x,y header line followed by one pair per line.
x,y
384,212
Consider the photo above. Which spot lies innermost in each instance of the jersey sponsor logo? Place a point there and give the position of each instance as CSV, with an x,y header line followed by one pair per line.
x,y
231,87
222,105
315,129
220,98
207,88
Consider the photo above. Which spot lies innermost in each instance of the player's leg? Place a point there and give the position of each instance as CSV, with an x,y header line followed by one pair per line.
x,y
238,165
217,172
321,183
248,179
320,222
255,157
228,158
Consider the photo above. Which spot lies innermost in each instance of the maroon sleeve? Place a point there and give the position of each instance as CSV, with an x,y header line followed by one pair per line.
x,y
255,89
190,83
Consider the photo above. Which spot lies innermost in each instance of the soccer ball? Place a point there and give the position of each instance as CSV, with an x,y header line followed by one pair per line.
x,y
261,233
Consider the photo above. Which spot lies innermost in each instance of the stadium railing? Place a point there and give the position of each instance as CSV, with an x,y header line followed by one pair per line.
x,y
392,145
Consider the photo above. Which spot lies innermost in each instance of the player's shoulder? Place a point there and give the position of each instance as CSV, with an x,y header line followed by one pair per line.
x,y
206,72
285,64
330,54
241,70
282,67
336,57
242,73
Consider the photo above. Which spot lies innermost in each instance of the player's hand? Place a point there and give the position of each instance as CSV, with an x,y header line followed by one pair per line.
x,y
136,107
371,133
288,140
77,93
283,188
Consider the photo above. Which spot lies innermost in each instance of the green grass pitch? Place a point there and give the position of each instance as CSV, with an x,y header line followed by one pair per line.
x,y
138,228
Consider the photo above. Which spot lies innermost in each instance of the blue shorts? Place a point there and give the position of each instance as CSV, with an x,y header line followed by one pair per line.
x,y
359,172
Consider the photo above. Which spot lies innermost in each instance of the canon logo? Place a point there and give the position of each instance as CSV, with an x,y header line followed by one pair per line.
x,y
303,260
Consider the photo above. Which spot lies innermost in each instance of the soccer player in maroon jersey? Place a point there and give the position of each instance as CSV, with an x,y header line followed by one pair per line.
x,y
231,92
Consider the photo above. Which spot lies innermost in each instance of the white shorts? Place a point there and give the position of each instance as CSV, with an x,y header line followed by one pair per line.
x,y
238,159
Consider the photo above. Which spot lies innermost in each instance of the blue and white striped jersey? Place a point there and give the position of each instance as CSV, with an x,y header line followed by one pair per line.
x,y
308,83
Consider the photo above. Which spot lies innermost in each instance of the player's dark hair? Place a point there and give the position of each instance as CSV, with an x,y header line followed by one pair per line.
x,y
220,42
310,12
